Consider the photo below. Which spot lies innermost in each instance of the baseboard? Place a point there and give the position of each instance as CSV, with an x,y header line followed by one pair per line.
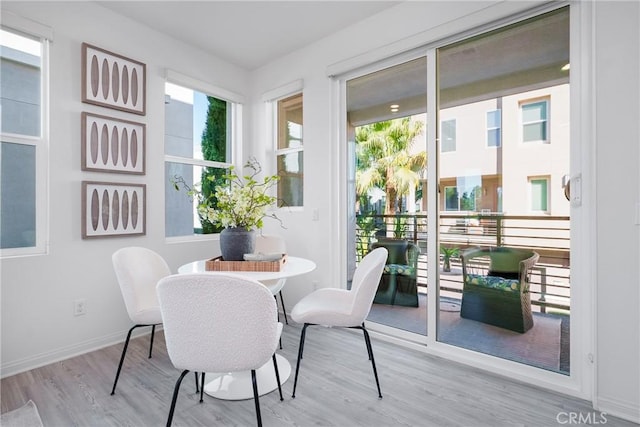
x,y
629,411
63,353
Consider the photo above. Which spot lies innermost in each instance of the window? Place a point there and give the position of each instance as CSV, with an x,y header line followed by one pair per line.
x,y
448,135
462,197
289,153
451,199
535,122
24,140
494,128
539,189
198,151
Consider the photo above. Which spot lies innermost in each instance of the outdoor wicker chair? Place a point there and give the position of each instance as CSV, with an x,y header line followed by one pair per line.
x,y
399,281
496,286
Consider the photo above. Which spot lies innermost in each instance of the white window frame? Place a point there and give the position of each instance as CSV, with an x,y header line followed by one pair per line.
x,y
547,121
547,181
490,128
236,106
271,99
22,26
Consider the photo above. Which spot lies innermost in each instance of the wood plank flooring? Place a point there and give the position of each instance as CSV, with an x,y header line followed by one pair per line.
x,y
335,388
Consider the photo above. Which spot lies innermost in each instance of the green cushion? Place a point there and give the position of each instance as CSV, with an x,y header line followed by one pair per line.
x,y
493,282
401,269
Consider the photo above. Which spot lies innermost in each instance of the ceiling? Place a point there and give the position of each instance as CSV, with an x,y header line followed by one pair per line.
x,y
249,34
521,57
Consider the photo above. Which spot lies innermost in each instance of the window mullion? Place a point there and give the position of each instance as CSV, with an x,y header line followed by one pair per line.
x,y
283,151
196,162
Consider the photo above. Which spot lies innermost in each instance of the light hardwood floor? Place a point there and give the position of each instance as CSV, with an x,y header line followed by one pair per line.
x,y
335,388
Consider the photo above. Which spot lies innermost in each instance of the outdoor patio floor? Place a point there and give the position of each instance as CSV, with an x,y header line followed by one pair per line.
x,y
545,346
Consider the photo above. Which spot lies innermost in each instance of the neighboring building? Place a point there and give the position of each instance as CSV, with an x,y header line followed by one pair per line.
x,y
507,155
178,141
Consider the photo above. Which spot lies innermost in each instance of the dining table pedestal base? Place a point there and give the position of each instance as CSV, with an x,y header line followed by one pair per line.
x,y
238,385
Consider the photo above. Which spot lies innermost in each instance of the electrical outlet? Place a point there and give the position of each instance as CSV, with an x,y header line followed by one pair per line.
x,y
80,307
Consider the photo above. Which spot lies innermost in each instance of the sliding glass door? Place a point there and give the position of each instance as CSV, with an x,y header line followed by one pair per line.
x,y
484,168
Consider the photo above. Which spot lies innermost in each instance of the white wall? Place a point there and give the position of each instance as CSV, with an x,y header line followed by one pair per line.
x,y
37,292
38,325
617,71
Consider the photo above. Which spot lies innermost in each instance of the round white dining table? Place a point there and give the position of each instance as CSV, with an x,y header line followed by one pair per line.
x,y
238,385
293,266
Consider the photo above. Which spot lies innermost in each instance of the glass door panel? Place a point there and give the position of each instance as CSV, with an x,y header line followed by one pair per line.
x,y
503,163
386,127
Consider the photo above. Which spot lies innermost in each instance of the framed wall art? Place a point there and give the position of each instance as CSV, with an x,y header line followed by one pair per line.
x,y
113,209
113,81
112,145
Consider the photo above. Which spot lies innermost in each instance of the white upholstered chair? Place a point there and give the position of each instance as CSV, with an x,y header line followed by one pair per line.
x,y
218,323
138,271
343,308
271,243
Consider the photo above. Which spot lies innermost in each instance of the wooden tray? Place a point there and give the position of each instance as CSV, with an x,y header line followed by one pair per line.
x,y
218,264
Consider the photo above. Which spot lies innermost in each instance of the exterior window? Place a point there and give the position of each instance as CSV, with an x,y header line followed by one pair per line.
x,y
462,198
494,128
535,122
448,135
198,142
290,151
539,194
451,199
23,146
469,198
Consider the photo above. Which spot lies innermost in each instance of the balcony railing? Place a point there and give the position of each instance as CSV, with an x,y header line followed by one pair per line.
x,y
549,236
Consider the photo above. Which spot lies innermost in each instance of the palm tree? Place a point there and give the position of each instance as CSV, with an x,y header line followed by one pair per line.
x,y
385,159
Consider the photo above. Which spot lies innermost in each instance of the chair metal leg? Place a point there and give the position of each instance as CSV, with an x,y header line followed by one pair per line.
x,y
153,333
367,340
176,390
202,387
197,381
300,351
284,310
367,343
275,368
255,397
124,352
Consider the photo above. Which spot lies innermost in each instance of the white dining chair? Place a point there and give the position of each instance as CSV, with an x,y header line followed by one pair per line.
x,y
138,271
218,323
267,244
343,308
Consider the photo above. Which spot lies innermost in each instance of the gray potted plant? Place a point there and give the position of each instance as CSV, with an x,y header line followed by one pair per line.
x,y
238,207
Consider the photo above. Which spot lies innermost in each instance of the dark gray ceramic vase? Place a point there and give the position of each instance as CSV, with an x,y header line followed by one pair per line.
x,y
235,242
